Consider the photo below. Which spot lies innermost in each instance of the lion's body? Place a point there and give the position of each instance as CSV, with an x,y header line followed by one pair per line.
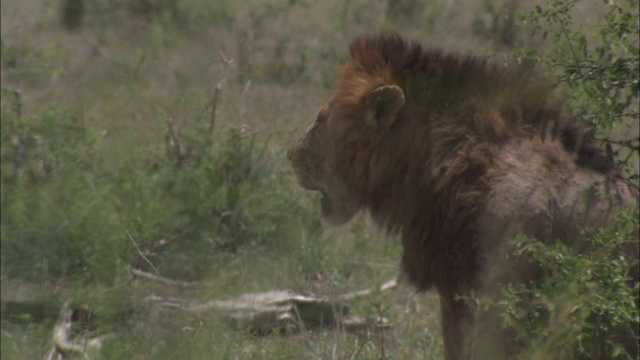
x,y
459,157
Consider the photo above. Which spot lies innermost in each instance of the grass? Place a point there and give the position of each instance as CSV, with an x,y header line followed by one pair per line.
x,y
81,205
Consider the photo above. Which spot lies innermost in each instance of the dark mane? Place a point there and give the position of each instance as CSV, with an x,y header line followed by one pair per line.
x,y
446,82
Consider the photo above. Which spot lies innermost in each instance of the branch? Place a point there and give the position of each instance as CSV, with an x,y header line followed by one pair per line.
x,y
214,99
141,254
282,309
175,143
157,248
61,332
63,345
391,284
162,244
161,279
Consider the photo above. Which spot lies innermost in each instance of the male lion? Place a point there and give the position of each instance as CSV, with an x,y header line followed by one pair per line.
x,y
459,156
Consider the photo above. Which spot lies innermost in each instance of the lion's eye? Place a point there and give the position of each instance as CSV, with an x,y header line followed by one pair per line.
x,y
324,112
323,115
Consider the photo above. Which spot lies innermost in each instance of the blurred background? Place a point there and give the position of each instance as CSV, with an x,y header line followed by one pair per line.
x,y
150,135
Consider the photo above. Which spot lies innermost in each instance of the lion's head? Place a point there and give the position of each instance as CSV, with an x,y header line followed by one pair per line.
x,y
313,162
313,156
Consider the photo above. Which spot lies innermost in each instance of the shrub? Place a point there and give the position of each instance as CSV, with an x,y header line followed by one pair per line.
x,y
586,305
57,213
67,212
229,185
597,68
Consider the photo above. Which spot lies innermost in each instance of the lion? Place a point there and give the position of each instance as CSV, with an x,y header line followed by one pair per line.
x,y
458,156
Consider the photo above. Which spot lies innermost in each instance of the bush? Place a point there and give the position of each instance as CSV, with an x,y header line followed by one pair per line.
x,y
57,212
229,188
586,305
597,68
67,213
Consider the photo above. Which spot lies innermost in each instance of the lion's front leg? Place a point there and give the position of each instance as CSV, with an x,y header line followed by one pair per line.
x,y
456,320
487,338
471,332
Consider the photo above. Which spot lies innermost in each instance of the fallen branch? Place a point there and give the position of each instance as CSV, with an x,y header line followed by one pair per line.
x,y
61,333
391,284
282,309
161,279
63,346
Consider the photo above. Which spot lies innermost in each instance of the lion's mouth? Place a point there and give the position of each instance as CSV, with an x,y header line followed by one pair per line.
x,y
306,182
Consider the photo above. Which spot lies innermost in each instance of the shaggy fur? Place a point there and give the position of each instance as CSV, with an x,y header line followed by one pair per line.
x,y
458,156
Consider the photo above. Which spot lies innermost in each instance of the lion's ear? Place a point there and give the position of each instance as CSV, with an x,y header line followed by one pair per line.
x,y
383,104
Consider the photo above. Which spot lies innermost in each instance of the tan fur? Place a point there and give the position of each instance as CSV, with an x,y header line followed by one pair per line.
x,y
459,156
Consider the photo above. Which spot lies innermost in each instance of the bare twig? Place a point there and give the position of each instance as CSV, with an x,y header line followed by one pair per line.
x,y
17,104
391,284
157,248
249,133
383,352
162,244
175,142
96,342
141,254
161,279
216,92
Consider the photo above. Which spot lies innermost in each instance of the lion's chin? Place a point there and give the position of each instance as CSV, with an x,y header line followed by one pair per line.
x,y
333,214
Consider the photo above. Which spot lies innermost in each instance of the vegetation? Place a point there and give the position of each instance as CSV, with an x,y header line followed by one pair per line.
x,y
599,71
587,304
111,162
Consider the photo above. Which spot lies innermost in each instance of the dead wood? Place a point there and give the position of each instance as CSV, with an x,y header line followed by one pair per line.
x,y
163,280
64,346
283,309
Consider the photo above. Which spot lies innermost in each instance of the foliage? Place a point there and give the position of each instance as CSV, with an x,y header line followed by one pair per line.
x,y
228,186
598,68
586,305
65,214
56,204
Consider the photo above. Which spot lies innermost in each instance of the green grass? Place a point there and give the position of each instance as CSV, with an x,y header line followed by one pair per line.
x,y
88,175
